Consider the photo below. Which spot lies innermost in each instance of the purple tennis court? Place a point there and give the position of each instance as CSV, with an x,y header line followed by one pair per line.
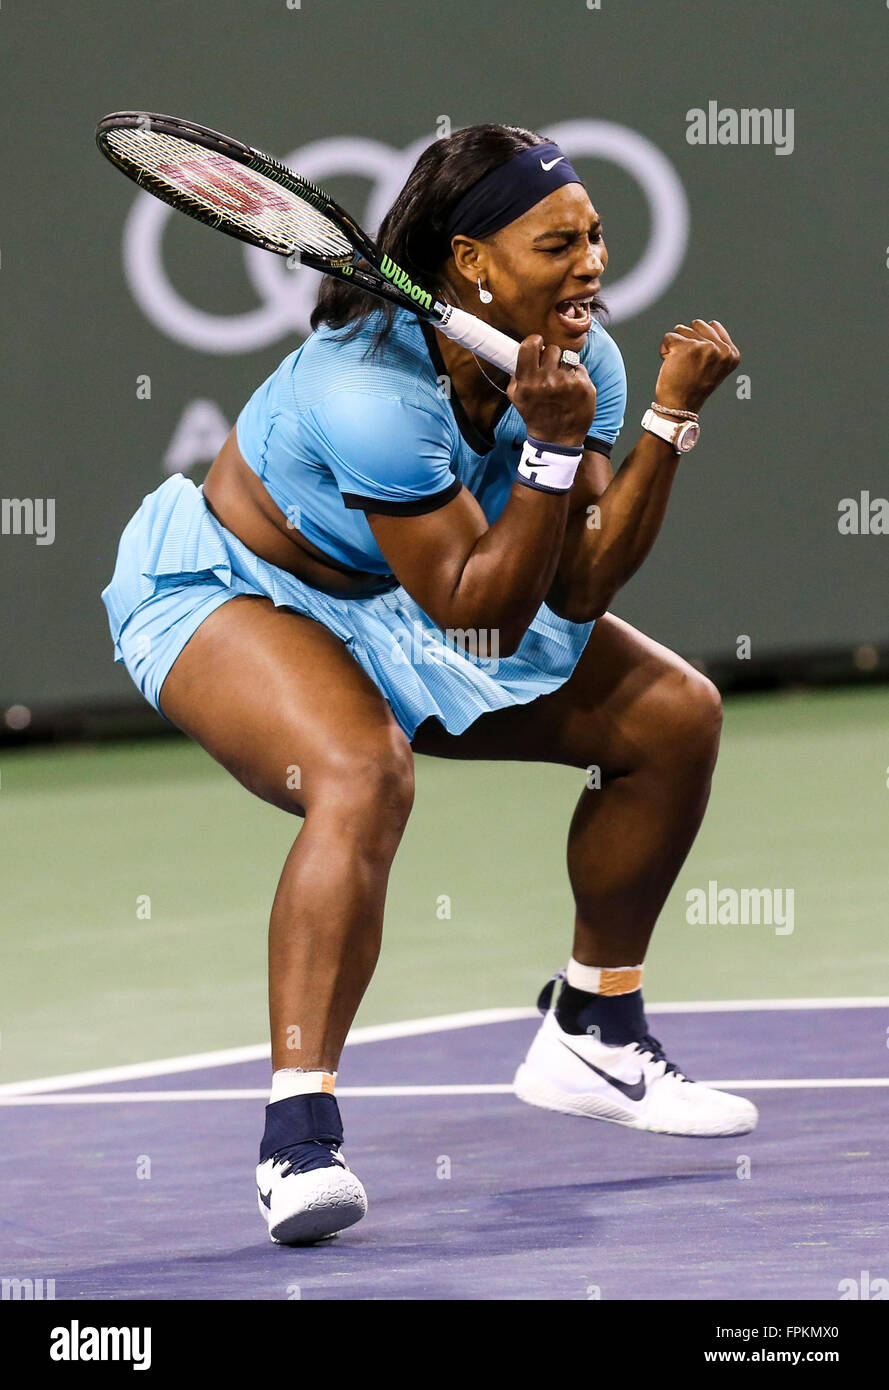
x,y
140,1187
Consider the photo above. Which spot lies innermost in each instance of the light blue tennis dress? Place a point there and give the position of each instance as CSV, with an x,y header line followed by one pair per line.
x,y
336,432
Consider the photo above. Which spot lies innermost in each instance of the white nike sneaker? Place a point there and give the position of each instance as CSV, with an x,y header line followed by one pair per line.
x,y
633,1085
304,1206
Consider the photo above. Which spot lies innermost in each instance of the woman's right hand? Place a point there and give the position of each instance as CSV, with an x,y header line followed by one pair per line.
x,y
556,403
696,360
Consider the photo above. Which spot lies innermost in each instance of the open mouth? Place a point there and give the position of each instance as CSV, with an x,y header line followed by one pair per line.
x,y
576,314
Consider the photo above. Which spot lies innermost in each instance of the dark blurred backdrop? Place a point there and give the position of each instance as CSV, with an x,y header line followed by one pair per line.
x,y
133,336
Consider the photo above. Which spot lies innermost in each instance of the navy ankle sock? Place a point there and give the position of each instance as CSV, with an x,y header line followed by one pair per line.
x,y
301,1119
617,1018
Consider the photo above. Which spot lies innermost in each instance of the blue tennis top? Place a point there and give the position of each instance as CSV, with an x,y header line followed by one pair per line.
x,y
337,431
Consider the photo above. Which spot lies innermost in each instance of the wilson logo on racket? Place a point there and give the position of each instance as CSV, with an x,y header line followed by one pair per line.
x,y
404,282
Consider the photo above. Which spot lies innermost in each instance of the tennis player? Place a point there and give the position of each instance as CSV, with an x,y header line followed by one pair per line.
x,y
400,550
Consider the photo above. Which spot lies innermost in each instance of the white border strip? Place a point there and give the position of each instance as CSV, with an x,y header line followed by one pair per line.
x,y
386,1092
381,1032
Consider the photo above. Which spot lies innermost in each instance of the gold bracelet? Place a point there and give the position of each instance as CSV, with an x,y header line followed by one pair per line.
x,y
675,414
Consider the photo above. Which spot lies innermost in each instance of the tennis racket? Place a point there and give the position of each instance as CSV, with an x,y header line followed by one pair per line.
x,y
253,197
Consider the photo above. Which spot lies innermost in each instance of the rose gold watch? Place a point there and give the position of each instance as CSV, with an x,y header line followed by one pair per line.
x,y
682,434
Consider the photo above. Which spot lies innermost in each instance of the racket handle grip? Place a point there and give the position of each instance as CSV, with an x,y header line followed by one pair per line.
x,y
479,337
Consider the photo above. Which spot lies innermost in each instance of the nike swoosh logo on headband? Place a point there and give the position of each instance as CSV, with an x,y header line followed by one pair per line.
x,y
552,164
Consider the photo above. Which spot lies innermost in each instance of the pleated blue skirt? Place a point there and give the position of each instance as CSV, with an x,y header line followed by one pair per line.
x,y
176,564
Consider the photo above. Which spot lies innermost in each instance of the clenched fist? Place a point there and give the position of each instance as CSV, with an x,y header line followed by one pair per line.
x,y
696,360
556,403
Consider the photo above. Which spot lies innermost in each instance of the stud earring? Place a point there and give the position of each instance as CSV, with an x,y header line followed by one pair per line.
x,y
484,295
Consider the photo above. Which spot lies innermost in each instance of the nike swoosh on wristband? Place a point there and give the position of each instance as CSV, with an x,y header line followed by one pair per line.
x,y
633,1090
266,1197
552,164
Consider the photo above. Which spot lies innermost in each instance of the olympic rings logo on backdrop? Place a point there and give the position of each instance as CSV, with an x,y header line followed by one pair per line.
x,y
287,297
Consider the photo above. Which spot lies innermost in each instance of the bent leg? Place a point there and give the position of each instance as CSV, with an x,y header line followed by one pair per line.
x,y
648,725
280,703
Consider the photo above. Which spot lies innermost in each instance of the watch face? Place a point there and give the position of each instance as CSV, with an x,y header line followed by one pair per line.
x,y
688,437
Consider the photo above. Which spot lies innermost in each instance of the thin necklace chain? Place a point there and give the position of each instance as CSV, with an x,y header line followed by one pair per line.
x,y
487,378
477,363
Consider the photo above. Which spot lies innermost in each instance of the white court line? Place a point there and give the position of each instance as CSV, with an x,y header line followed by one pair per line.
x,y
257,1052
381,1032
353,1092
109,1097
730,1006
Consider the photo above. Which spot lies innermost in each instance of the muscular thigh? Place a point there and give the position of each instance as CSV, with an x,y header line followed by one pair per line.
x,y
616,698
277,699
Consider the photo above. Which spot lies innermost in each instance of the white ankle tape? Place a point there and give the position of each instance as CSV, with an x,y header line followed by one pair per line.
x,y
604,979
293,1081
548,467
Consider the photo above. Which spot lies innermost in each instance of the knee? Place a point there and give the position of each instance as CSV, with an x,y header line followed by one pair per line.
x,y
370,794
381,787
689,714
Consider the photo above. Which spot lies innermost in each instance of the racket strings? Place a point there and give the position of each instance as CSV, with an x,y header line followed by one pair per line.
x,y
250,200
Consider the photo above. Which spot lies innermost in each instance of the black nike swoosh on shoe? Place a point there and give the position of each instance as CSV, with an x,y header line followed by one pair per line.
x,y
633,1090
266,1198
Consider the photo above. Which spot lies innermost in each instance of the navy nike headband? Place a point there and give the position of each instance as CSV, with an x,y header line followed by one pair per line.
x,y
510,190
